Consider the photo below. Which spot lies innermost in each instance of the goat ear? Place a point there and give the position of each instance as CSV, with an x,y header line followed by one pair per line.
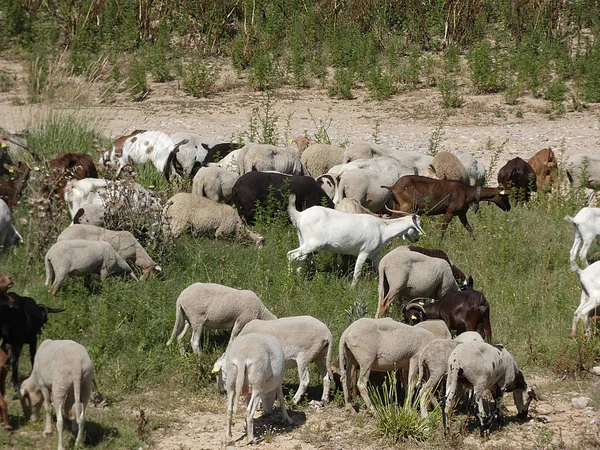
x,y
502,192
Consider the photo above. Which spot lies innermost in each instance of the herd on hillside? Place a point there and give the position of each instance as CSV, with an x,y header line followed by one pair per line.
x,y
347,201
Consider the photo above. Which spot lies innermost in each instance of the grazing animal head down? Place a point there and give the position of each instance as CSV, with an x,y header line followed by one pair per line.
x,y
31,399
6,282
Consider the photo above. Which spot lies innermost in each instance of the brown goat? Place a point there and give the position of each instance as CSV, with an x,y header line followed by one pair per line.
x,y
10,189
545,167
461,311
422,195
69,166
518,175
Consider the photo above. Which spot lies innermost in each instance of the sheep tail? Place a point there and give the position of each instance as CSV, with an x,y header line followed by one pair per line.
x,y
292,211
77,394
49,271
240,376
569,219
177,325
328,358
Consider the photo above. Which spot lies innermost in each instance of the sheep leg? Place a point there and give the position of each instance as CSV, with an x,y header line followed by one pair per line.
x,y
48,408
583,315
230,399
250,411
360,261
196,335
577,241
3,404
322,366
281,399
451,385
59,278
59,404
180,337
304,376
363,379
484,420
577,315
411,377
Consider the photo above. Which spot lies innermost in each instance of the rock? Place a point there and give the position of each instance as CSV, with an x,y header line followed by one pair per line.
x,y
580,402
596,370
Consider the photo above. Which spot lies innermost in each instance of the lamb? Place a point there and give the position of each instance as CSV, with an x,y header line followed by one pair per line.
x,y
62,377
254,364
590,295
204,216
123,242
364,186
265,157
214,306
305,340
433,364
215,183
411,275
446,166
360,235
587,229
80,257
379,345
317,159
8,234
481,366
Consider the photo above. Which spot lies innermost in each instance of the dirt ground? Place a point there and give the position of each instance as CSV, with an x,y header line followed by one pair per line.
x,y
406,122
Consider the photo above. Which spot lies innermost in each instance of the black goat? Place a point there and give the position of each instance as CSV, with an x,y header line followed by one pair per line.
x,y
461,311
21,320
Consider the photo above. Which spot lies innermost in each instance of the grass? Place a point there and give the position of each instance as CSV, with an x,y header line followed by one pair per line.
x,y
519,260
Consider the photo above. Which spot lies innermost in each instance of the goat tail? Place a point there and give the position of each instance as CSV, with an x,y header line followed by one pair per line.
x,y
568,219
292,211
49,271
177,326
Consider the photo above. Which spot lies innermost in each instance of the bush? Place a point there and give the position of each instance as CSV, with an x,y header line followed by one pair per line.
x,y
198,79
450,96
591,80
486,74
343,82
138,85
379,84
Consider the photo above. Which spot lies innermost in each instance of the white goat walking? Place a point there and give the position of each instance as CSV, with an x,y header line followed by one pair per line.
x,y
587,228
590,295
360,235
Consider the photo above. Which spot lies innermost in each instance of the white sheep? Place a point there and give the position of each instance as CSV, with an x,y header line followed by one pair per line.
x,y
155,146
446,166
89,214
123,242
475,169
419,162
265,157
365,186
485,367
579,166
432,364
328,183
437,327
363,150
214,183
190,150
304,340
204,216
590,295
229,162
361,235
8,234
62,377
317,159
214,306
81,258
383,164
587,229
253,364
411,275
380,345
349,205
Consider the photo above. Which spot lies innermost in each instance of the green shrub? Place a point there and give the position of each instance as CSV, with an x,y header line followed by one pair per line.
x,y
591,79
486,73
198,79
342,84
264,73
7,81
512,93
450,95
37,79
137,83
379,84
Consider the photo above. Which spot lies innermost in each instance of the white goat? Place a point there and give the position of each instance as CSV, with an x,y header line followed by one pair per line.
x,y
360,235
587,228
482,366
253,364
590,295
62,377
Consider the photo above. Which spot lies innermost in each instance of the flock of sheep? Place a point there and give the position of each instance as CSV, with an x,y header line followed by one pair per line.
x,y
360,186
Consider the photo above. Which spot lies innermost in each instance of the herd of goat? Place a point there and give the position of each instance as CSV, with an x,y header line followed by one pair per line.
x,y
339,200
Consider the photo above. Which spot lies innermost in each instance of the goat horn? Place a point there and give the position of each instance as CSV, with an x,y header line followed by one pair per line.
x,y
397,212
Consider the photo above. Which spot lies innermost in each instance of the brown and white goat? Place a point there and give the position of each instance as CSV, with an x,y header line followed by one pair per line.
x,y
10,189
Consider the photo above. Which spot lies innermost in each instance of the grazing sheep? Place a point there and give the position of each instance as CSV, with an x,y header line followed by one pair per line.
x,y
215,183
364,186
384,165
62,377
349,205
481,366
8,234
446,166
82,258
214,306
3,373
380,345
584,171
317,159
590,295
465,282
437,327
474,168
89,214
204,216
587,229
360,235
411,275
229,162
363,150
265,157
253,364
420,163
433,364
328,183
123,242
305,340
